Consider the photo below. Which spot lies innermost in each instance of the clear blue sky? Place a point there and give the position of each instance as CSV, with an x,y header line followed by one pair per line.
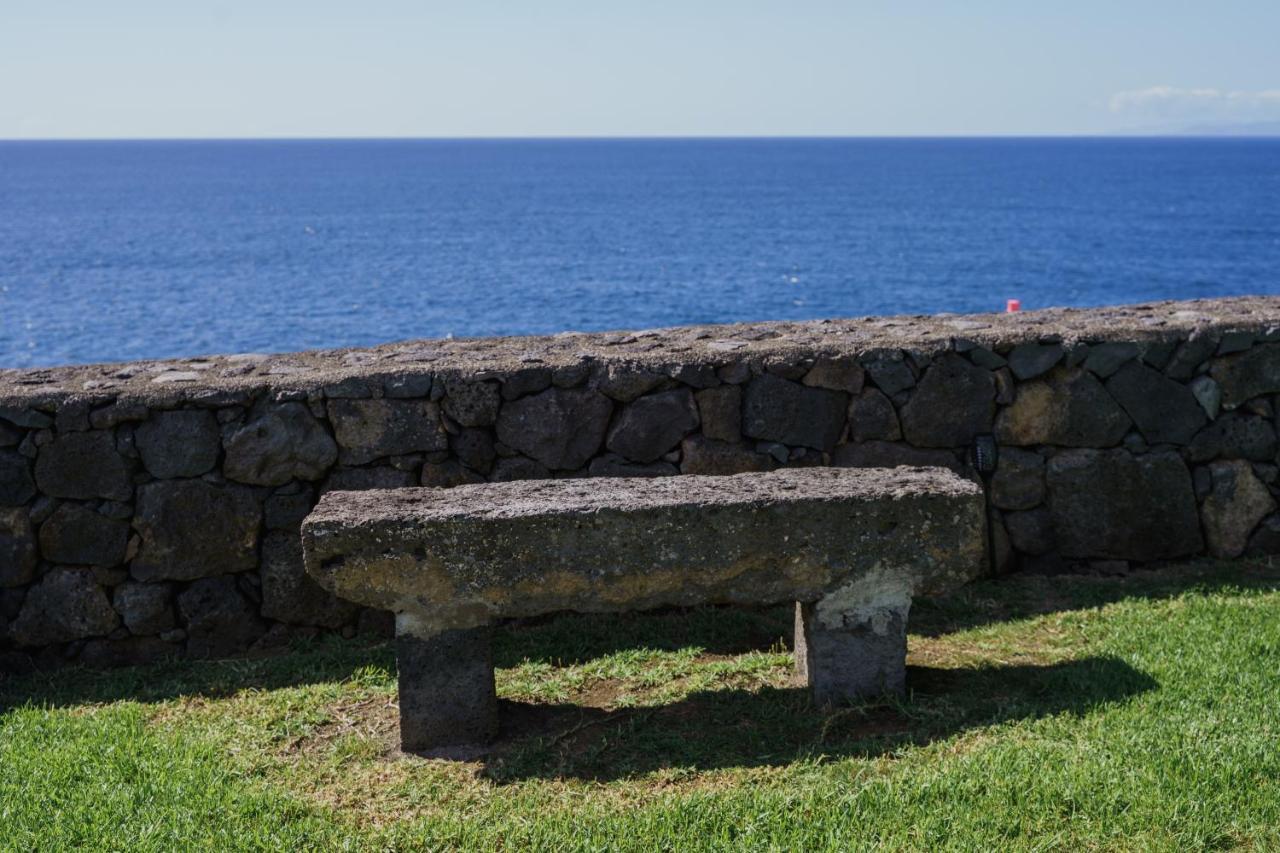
x,y
219,68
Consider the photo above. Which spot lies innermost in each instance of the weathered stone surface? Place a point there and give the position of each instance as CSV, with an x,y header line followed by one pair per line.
x,y
859,657
1030,531
472,404
1235,435
652,425
891,375
954,402
475,448
780,410
359,479
284,443
288,595
1265,541
444,475
1111,504
1106,358
462,557
146,608
18,554
219,620
285,510
1018,482
1163,410
447,693
192,529
872,417
1248,374
83,465
518,468
836,375
560,428
884,454
525,381
179,444
613,465
1233,509
720,410
372,429
1190,354
1069,408
700,455
1208,394
76,534
66,604
1029,360
10,436
16,484
625,383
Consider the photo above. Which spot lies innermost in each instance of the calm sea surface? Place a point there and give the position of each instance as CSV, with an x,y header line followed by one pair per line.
x,y
124,250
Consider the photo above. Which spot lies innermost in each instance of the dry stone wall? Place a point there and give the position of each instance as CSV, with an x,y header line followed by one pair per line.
x,y
153,509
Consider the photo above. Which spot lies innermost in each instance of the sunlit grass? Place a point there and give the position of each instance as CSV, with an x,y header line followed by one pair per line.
x,y
1044,713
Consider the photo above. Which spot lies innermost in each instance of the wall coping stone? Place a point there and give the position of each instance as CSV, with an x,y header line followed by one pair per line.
x,y
235,379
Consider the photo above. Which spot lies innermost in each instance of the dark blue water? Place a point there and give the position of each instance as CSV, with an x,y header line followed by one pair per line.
x,y
123,250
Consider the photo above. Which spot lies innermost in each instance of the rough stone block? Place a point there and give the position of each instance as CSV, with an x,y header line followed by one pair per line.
x,y
288,595
447,695
1249,374
179,444
472,404
146,608
780,410
873,418
849,652
720,410
613,465
1238,501
954,402
1165,411
1018,482
84,465
1069,408
700,455
1113,505
372,429
890,375
285,442
1235,435
1032,359
219,620
625,383
447,474
66,604
560,428
18,555
652,425
77,535
836,374
192,529
16,484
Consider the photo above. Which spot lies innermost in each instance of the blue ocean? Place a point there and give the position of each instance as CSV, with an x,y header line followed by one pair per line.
x,y
129,250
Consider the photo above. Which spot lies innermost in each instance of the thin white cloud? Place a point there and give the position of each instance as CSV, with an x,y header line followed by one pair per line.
x,y
1170,103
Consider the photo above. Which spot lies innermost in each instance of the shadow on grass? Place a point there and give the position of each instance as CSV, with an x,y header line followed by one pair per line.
x,y
1024,596
780,726
575,639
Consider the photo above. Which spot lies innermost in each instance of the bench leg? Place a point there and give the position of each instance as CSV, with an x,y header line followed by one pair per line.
x,y
447,696
852,655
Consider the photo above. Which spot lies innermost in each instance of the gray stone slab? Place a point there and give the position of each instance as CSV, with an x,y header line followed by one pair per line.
x,y
465,556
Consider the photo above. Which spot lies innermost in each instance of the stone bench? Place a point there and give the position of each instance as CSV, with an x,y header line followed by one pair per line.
x,y
850,546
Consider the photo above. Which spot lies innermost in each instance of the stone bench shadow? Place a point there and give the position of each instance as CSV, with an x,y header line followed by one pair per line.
x,y
776,726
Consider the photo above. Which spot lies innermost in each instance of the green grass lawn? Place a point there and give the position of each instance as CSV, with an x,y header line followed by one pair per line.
x,y
1044,713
